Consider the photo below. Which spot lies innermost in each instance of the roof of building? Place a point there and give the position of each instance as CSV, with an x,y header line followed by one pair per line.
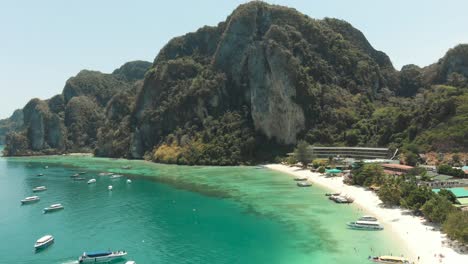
x,y
463,201
397,166
459,192
350,148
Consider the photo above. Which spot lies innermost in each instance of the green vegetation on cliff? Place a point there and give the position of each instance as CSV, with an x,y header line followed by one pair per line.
x,y
260,81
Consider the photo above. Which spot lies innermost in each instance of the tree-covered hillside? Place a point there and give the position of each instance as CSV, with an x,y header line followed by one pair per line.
x,y
248,89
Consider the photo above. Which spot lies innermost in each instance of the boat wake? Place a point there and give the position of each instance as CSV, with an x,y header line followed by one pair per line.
x,y
70,262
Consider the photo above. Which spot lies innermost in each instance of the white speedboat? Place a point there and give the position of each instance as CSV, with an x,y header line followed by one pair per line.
x,y
40,174
304,184
100,256
53,208
92,181
109,187
44,242
389,259
365,225
39,189
105,173
301,178
129,181
130,262
115,176
367,218
30,199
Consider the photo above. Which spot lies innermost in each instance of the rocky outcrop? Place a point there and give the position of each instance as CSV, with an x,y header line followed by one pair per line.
x,y
11,124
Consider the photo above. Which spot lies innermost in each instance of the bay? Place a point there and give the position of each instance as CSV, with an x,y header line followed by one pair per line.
x,y
176,214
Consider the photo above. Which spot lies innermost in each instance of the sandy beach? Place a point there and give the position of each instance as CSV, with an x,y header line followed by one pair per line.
x,y
420,238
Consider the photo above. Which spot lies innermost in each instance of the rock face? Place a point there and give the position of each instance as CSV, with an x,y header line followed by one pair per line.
x,y
11,124
239,91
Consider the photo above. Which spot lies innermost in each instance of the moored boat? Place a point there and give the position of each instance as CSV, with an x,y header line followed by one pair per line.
x,y
367,218
53,208
130,262
389,259
39,189
79,179
115,176
304,184
40,174
30,199
365,225
91,181
109,187
101,256
129,181
332,194
44,242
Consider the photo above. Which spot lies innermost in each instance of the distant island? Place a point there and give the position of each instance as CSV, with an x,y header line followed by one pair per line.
x,y
246,91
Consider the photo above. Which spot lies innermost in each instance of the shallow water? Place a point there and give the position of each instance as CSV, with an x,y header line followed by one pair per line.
x,y
176,214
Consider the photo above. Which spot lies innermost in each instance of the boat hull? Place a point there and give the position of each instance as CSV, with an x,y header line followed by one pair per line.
x,y
51,210
369,228
100,259
44,245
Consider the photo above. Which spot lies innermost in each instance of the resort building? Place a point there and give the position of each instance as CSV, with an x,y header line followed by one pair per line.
x,y
350,152
396,169
461,193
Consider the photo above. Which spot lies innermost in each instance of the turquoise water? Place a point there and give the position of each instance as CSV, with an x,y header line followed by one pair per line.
x,y
176,214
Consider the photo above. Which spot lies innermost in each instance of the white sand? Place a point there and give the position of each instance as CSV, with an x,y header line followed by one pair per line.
x,y
419,238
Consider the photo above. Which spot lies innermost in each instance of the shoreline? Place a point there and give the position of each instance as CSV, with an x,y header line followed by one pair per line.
x,y
418,237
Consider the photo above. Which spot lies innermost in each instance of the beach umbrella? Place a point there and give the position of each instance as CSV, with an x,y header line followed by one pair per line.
x,y
333,171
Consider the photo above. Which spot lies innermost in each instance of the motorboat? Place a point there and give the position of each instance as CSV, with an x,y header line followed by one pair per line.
x,y
365,225
30,199
304,184
53,208
82,172
389,259
105,174
92,181
101,256
332,194
126,167
79,179
40,174
129,181
109,187
39,189
46,167
44,242
367,218
115,176
130,262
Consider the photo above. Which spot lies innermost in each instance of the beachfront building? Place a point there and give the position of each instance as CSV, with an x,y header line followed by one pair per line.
x,y
461,193
396,169
357,153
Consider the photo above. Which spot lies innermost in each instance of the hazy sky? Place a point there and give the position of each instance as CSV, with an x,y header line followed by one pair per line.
x,y
43,43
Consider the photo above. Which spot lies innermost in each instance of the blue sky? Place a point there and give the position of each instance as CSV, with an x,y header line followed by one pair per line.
x,y
43,43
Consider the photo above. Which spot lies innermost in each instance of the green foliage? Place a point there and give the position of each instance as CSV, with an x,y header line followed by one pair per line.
x,y
416,197
448,195
437,209
390,192
321,169
448,170
456,226
368,174
302,153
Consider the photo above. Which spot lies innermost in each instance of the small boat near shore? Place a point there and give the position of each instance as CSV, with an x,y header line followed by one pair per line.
x,y
304,184
126,167
115,176
40,174
79,179
44,242
367,218
101,256
130,262
389,259
129,181
92,181
365,225
109,187
332,194
53,208
341,199
106,174
30,199
75,175
39,189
